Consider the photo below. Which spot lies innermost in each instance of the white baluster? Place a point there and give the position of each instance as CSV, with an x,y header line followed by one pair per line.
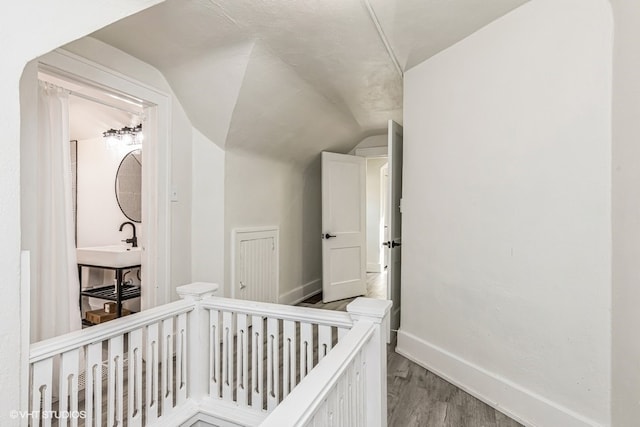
x,y
134,392
68,387
42,387
166,373
215,381
341,401
151,383
289,362
306,349
242,356
198,354
115,382
227,356
181,359
352,389
257,356
320,418
342,332
93,385
332,405
325,341
273,364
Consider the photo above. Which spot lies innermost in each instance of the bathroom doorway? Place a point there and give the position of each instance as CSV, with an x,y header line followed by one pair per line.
x,y
99,101
107,134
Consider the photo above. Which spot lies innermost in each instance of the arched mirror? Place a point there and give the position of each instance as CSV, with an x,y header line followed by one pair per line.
x,y
129,185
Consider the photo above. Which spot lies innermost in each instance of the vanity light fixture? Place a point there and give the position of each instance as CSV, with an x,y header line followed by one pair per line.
x,y
111,133
128,135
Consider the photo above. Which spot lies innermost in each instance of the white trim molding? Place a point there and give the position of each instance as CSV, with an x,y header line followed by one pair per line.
x,y
512,399
301,293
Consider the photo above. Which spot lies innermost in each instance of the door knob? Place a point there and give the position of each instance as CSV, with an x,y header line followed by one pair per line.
x,y
328,236
394,244
388,244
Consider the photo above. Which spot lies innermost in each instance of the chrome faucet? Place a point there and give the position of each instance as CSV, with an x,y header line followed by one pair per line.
x,y
133,240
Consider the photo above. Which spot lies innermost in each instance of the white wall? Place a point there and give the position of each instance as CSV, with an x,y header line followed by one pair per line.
x,y
263,192
207,211
507,212
374,205
626,214
99,216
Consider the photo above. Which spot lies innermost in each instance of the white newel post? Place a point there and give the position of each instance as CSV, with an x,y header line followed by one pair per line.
x,y
198,335
376,312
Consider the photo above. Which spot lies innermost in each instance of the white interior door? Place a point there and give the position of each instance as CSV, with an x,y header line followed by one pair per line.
x,y
343,226
395,220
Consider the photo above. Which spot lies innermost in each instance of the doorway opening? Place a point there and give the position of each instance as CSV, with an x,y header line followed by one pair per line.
x,y
106,133
108,191
361,194
377,206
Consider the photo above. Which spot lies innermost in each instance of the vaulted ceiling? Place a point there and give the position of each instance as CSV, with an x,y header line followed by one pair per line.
x,y
288,79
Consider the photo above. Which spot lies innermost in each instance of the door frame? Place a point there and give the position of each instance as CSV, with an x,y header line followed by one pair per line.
x,y
156,209
394,323
384,215
379,152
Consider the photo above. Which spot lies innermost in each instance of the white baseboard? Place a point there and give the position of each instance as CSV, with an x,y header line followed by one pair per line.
x,y
301,293
373,267
522,405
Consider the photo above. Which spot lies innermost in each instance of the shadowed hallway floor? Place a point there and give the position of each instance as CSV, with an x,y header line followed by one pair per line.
x,y
417,397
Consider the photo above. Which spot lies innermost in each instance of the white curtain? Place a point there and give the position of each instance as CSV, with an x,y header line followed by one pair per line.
x,y
55,291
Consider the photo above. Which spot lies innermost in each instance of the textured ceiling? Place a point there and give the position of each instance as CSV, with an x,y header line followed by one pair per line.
x,y
290,78
418,29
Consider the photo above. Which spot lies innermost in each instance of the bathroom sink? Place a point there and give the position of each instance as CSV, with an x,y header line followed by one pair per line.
x,y
115,256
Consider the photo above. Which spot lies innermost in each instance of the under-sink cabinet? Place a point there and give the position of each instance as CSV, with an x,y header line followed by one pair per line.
x,y
116,293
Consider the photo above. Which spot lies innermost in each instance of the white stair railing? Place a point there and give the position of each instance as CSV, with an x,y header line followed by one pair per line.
x,y
258,352
349,387
231,360
113,357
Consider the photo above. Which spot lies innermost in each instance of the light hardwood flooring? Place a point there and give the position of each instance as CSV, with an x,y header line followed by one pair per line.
x,y
415,396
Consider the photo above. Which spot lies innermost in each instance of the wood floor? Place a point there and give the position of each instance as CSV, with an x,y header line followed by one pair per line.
x,y
417,397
